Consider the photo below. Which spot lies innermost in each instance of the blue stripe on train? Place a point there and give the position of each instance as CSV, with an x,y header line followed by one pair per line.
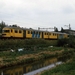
x,y
35,35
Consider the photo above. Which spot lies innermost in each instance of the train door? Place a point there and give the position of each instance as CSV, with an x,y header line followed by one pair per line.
x,y
42,35
60,36
11,33
24,33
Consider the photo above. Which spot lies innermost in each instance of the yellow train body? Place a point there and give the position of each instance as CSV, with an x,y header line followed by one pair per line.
x,y
16,32
12,32
53,36
28,34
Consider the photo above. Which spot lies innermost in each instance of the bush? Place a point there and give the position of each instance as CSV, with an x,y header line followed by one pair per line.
x,y
62,42
28,44
70,42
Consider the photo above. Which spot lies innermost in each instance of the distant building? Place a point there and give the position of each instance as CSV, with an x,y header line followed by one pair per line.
x,y
68,31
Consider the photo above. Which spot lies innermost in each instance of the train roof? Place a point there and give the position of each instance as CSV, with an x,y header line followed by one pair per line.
x,y
17,28
34,30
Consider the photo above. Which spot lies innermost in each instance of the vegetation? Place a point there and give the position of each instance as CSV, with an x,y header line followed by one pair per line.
x,y
8,58
70,42
42,48
2,25
68,67
55,29
27,44
62,30
38,49
64,69
66,54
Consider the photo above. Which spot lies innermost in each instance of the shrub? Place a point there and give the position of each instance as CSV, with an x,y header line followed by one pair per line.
x,y
28,44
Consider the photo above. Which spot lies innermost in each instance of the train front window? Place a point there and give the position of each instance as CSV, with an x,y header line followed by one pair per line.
x,y
6,31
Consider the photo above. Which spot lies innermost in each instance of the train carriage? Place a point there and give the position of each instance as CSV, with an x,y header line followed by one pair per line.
x,y
12,32
45,34
62,35
16,32
28,33
53,35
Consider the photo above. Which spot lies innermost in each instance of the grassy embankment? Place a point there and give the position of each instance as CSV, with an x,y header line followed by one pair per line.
x,y
8,58
13,58
34,50
67,68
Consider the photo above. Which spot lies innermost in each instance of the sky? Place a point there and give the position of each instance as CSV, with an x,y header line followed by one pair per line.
x,y
38,13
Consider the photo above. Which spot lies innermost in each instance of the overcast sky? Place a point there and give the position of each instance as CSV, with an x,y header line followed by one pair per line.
x,y
38,13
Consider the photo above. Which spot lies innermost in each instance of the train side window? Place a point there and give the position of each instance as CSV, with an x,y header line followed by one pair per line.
x,y
28,32
53,34
49,33
20,31
45,33
11,30
16,31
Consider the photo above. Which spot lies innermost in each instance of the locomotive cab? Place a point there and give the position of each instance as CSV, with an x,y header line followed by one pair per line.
x,y
6,32
12,32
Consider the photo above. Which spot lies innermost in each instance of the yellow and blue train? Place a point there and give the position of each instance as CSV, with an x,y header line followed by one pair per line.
x,y
24,33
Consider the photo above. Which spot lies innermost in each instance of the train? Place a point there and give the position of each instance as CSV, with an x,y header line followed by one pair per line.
x,y
25,33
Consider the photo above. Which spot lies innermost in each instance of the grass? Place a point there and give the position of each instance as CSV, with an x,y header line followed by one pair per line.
x,y
46,51
6,45
26,56
16,53
64,69
55,48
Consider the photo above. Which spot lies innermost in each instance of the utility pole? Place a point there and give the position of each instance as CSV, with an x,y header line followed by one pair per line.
x,y
69,28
